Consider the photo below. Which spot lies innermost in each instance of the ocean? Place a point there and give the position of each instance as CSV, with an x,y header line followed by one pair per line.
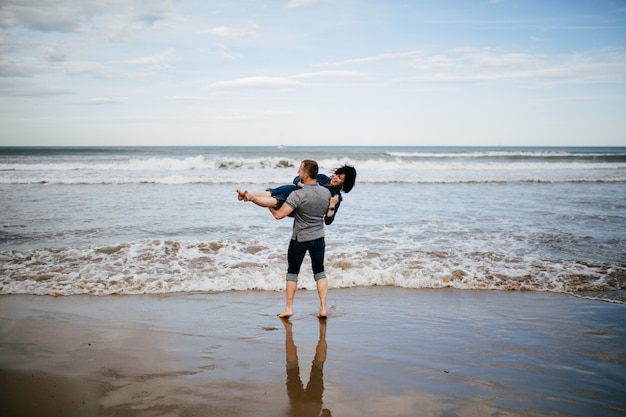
x,y
153,220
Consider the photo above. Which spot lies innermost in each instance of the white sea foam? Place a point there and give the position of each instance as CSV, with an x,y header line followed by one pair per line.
x,y
155,266
266,170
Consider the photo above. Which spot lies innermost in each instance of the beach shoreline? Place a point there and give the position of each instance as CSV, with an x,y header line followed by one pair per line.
x,y
389,352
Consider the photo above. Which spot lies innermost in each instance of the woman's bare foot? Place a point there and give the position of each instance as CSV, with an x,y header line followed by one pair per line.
x,y
245,195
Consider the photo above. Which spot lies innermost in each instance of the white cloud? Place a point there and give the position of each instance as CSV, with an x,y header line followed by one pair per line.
x,y
482,65
294,81
226,53
188,99
97,101
373,59
43,15
340,75
69,15
54,53
247,114
15,88
300,3
232,32
161,57
257,82
15,68
93,69
586,99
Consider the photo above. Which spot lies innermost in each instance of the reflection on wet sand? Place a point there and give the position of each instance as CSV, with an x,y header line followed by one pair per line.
x,y
305,402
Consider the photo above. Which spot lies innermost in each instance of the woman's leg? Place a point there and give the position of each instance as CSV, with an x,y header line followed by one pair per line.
x,y
260,198
272,197
264,201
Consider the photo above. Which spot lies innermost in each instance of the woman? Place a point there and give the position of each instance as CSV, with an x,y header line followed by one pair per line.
x,y
342,179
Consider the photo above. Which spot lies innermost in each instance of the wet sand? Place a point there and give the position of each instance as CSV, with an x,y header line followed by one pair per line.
x,y
382,352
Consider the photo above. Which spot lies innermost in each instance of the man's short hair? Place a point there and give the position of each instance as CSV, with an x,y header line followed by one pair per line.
x,y
311,167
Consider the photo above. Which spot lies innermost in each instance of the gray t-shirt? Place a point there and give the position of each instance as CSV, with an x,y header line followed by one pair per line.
x,y
309,204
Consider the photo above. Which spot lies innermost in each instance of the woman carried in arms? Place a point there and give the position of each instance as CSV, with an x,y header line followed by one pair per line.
x,y
342,179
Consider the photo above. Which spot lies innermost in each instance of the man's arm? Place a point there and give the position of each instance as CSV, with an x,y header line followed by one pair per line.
x,y
284,211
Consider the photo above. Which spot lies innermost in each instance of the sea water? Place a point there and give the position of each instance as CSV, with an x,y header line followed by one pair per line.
x,y
136,220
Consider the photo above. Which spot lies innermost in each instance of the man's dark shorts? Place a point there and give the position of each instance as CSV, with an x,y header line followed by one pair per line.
x,y
295,256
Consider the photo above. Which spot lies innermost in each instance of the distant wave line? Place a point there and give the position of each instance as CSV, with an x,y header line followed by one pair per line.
x,y
508,154
200,181
201,165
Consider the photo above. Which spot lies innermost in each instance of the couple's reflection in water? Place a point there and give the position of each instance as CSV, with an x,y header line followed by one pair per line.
x,y
305,402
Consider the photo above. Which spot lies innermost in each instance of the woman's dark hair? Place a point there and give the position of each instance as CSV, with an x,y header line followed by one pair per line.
x,y
350,179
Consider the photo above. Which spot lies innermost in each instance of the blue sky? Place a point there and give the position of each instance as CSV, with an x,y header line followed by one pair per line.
x,y
313,72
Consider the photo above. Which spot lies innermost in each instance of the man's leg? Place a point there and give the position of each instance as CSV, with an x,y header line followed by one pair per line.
x,y
317,262
322,291
290,293
295,256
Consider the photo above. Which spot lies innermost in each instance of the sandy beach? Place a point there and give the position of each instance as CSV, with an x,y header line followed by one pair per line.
x,y
382,352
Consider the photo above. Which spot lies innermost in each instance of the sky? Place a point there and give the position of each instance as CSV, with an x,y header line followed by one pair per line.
x,y
313,72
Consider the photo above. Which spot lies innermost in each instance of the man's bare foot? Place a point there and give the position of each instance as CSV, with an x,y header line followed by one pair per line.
x,y
241,195
248,196
322,315
285,314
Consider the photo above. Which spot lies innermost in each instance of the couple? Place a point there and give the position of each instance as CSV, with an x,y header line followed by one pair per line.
x,y
312,205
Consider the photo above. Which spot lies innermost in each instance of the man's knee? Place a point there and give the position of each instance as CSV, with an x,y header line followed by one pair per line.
x,y
319,275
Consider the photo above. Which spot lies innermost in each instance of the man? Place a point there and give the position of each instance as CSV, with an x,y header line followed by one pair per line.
x,y
308,205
